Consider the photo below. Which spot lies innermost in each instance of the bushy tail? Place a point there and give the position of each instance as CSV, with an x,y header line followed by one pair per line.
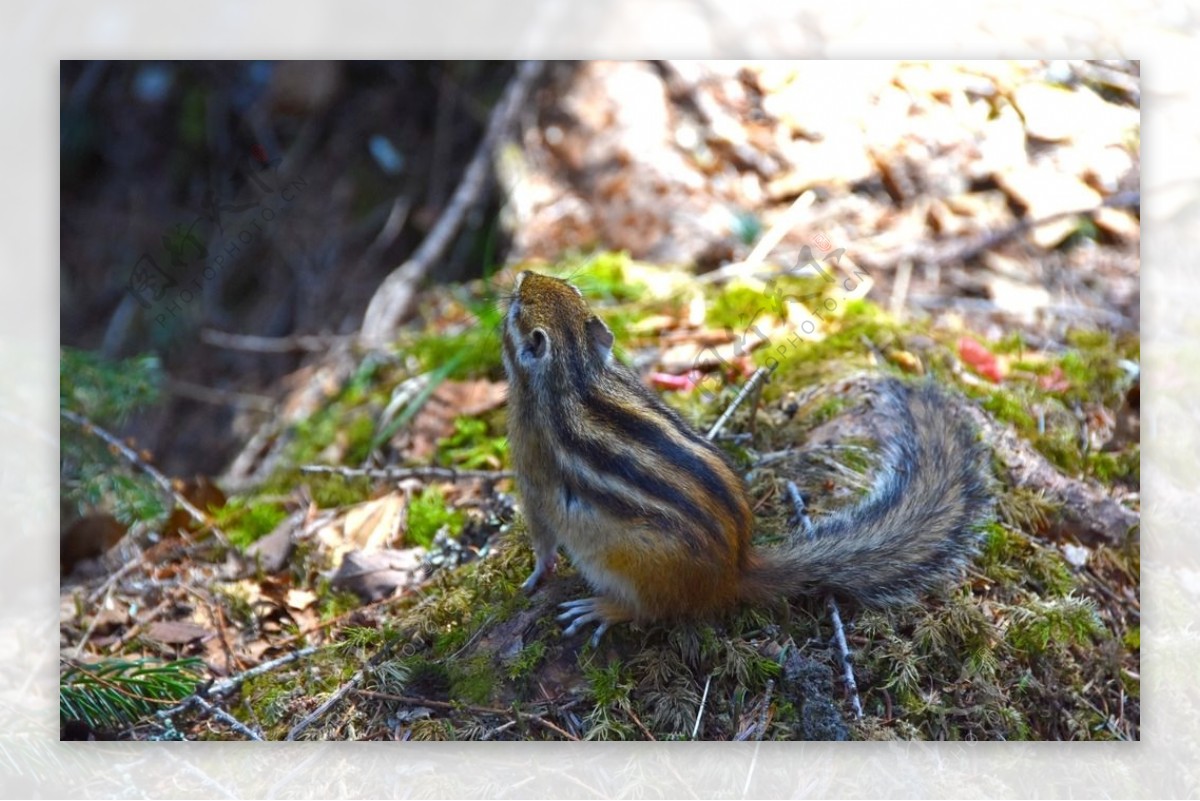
x,y
914,530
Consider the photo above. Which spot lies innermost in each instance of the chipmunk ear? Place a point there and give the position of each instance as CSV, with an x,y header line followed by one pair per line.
x,y
539,343
600,338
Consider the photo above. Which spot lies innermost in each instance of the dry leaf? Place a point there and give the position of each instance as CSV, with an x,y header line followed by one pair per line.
x,y
300,599
378,574
176,632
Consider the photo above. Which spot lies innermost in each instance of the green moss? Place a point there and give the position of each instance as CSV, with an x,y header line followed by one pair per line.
x,y
1062,446
1013,342
246,520
609,684
360,430
332,603
1057,623
1124,465
472,446
427,513
526,662
999,553
601,276
332,491
473,680
1133,638
471,353
1010,408
1025,509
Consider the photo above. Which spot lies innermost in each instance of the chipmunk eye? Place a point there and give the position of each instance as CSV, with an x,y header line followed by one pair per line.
x,y
538,345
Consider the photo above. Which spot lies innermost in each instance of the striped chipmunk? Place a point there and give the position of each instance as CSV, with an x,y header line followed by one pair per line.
x,y
658,521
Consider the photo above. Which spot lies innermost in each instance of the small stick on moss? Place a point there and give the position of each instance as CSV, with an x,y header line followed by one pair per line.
x,y
765,716
640,725
215,711
839,635
401,473
233,682
760,375
162,481
835,614
700,711
338,695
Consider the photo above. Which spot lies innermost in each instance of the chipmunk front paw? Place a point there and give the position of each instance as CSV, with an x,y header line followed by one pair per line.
x,y
543,568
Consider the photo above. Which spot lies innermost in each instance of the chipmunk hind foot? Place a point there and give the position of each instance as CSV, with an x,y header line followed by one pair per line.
x,y
602,610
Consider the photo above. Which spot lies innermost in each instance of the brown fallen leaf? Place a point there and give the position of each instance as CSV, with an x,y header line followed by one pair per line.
x,y
377,574
1045,192
176,632
435,420
269,554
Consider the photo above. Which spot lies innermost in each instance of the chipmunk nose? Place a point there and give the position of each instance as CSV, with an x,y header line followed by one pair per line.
x,y
520,278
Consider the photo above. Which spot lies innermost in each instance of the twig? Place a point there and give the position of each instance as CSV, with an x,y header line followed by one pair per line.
x,y
111,581
219,397
312,717
839,635
394,296
641,725
401,473
215,711
700,711
900,290
765,244
766,709
217,614
163,482
258,344
230,684
397,216
798,507
760,375
839,632
482,710
87,634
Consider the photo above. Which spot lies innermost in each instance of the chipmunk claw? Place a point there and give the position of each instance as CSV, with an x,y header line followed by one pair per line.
x,y
581,613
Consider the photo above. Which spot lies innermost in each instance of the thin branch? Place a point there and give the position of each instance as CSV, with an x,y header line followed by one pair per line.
x,y
230,684
758,378
394,296
257,344
839,635
640,725
835,614
401,473
764,716
220,397
162,481
215,711
700,711
317,713
766,243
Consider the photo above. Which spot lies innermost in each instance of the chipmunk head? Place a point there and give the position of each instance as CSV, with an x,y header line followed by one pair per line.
x,y
550,334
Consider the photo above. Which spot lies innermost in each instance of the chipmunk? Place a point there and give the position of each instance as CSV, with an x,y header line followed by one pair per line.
x,y
658,521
